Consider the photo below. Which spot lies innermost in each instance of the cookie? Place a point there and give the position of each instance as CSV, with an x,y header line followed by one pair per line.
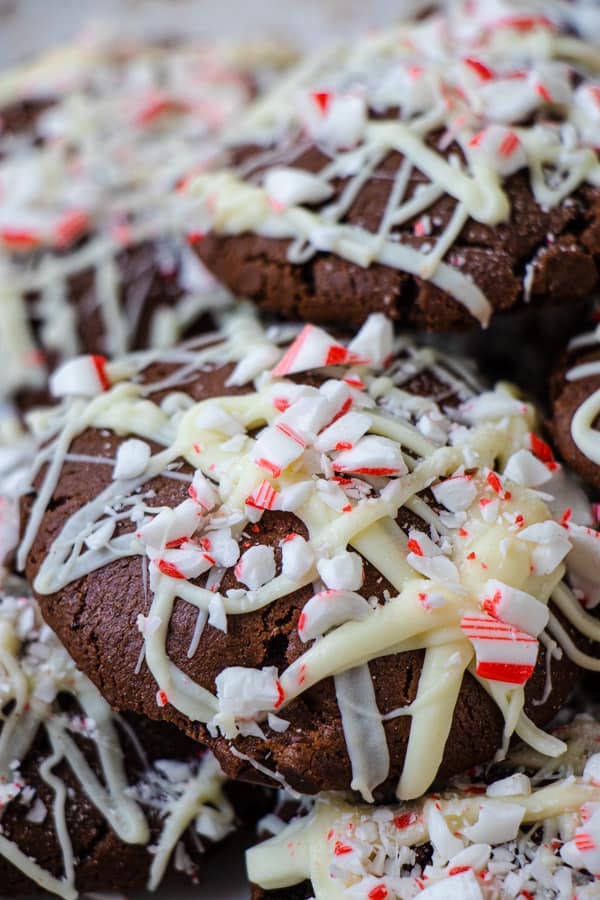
x,y
489,834
94,141
324,559
575,394
90,800
436,176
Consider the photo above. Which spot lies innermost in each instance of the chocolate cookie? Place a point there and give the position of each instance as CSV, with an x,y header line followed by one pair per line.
x,y
575,394
94,141
490,834
437,176
90,800
326,562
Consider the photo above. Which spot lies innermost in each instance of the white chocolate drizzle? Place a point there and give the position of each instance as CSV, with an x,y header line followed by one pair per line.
x,y
471,588
35,669
465,107
520,835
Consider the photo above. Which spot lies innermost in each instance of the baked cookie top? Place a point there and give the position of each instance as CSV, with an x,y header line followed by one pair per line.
x,y
575,390
94,140
529,828
89,799
325,552
439,172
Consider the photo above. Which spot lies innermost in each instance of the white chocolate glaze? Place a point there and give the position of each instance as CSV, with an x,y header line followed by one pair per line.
x,y
34,670
96,175
470,588
487,836
465,106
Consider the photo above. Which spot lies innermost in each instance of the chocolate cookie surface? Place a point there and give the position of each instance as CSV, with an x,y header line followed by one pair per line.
x,y
266,548
423,173
575,395
94,142
91,800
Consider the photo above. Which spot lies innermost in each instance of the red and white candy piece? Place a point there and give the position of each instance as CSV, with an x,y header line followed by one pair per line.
x,y
551,545
203,492
503,652
344,433
82,376
277,447
221,546
518,608
526,469
583,852
372,455
256,567
307,416
498,147
291,187
342,572
428,559
314,349
244,693
328,609
132,459
335,119
171,525
456,493
297,557
375,340
187,561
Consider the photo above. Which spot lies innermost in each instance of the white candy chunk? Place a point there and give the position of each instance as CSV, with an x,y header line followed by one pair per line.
x,y
297,557
517,785
526,469
504,103
434,426
372,455
437,568
338,396
336,120
276,448
216,613
421,544
189,561
497,823
552,545
375,340
463,886
587,103
503,653
171,524
244,693
499,148
307,416
342,572
256,566
313,349
132,459
100,536
82,376
292,187
345,431
444,842
203,492
476,857
592,768
277,724
456,493
491,405
328,609
256,360
213,417
515,607
552,82
295,495
489,509
222,547
584,557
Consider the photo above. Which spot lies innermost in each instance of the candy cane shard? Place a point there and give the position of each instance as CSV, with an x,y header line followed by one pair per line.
x,y
328,609
516,607
315,349
83,376
503,652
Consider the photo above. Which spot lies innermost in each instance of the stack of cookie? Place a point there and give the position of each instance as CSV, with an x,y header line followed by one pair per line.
x,y
317,544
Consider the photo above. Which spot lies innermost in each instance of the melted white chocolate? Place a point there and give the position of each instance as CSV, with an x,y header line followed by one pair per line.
x,y
35,669
499,538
